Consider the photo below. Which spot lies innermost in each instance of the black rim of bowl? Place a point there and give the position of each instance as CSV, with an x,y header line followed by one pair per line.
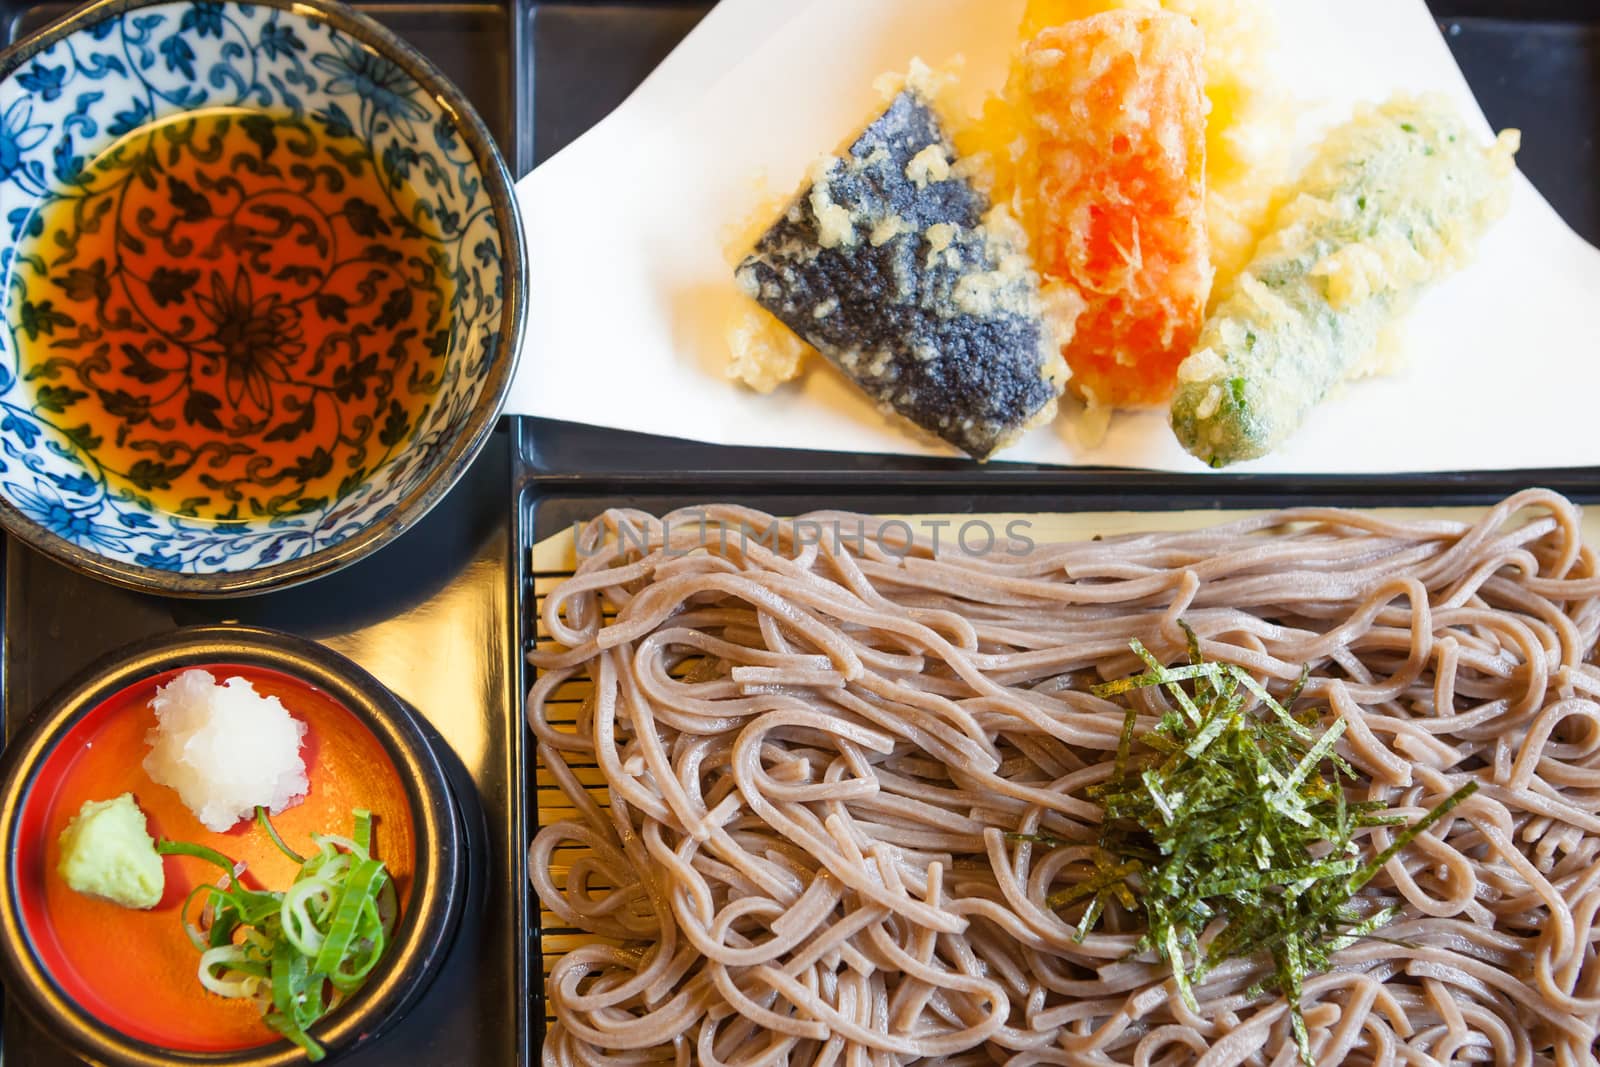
x,y
469,439
428,924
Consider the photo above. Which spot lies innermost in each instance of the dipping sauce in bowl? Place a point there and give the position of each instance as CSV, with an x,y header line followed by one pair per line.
x,y
121,984
265,291
240,316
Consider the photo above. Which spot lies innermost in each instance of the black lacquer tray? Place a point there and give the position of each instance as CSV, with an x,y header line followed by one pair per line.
x,y
430,616
1534,64
439,615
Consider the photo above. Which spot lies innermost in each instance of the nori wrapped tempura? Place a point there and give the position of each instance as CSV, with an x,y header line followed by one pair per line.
x,y
887,265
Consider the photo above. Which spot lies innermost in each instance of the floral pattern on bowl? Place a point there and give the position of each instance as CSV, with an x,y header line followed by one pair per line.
x,y
113,69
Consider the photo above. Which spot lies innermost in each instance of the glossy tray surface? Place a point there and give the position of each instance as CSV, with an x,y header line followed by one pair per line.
x,y
1533,64
428,615
439,615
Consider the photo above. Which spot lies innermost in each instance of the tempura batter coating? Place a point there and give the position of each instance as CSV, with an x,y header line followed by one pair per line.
x,y
1395,199
1117,159
895,268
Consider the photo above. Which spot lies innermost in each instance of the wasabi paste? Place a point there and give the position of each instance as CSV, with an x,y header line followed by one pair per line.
x,y
107,852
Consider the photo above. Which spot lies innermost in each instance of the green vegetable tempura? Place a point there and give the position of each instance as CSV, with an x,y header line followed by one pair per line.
x,y
1395,200
107,852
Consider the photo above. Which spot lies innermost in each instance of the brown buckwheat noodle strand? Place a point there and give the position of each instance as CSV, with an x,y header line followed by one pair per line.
x,y
814,752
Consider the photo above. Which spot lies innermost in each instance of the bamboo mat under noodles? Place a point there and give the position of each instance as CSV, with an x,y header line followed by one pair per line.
x,y
554,558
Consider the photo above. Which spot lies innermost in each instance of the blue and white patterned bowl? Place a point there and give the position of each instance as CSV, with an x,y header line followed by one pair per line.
x,y
69,91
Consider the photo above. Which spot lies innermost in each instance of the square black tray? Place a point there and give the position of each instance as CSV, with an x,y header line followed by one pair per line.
x,y
1534,64
439,615
428,615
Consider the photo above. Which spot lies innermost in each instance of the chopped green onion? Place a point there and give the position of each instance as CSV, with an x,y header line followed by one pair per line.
x,y
358,890
298,953
265,822
183,848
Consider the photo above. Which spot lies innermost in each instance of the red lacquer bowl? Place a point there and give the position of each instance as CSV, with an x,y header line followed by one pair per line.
x,y
119,985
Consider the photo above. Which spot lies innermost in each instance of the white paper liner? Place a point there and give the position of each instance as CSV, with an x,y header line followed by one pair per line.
x,y
628,231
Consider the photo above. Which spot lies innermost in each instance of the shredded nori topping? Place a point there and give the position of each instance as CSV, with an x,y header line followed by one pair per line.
x,y
1230,819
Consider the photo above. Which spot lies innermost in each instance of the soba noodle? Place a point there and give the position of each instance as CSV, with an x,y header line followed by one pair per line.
x,y
814,753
